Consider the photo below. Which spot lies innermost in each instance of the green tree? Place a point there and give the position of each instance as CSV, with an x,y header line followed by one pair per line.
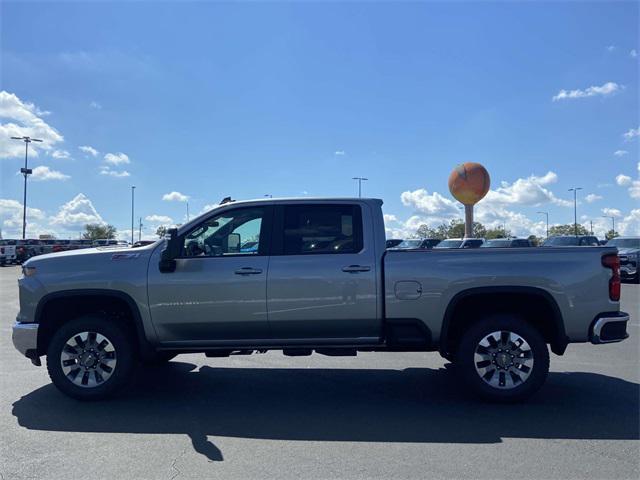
x,y
95,231
611,234
161,231
535,241
424,231
492,233
567,229
455,229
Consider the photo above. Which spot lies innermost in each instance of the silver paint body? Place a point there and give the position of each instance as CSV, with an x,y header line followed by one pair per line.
x,y
309,299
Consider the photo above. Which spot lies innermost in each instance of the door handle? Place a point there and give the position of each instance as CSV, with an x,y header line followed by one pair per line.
x,y
356,268
248,271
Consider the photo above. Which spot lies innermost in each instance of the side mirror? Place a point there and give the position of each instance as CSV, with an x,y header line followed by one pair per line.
x,y
168,256
233,243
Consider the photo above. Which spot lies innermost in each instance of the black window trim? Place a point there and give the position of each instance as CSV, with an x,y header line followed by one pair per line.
x,y
277,233
266,226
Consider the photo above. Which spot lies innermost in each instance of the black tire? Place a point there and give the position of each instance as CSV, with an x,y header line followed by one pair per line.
x,y
521,390
121,341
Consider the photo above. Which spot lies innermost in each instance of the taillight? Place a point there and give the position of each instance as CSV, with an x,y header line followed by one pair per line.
x,y
613,262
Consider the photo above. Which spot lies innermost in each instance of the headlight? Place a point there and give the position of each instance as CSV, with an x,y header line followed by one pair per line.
x,y
28,271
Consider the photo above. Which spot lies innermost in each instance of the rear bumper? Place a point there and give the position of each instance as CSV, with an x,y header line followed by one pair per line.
x,y
609,328
25,339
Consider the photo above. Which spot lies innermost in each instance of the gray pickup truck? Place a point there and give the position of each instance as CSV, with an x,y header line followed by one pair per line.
x,y
312,275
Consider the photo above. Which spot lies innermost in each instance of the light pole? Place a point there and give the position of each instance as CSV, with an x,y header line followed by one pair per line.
x,y
613,225
140,229
187,211
546,214
26,171
133,189
360,180
575,208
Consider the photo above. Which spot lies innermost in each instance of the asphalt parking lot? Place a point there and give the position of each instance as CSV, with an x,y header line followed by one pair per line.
x,y
378,415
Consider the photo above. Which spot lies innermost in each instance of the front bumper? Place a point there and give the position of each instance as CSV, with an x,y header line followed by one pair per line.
x,y
25,339
609,328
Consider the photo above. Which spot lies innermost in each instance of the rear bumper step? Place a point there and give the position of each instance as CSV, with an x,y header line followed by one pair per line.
x,y
609,328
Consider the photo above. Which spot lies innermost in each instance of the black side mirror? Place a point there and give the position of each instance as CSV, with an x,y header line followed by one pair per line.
x,y
168,256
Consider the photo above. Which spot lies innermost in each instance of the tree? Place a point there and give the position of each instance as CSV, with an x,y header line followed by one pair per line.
x,y
535,241
497,233
611,234
424,231
567,229
455,229
161,231
95,231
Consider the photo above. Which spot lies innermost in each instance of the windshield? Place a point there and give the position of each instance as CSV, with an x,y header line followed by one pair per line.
x,y
624,242
449,244
496,243
561,242
409,244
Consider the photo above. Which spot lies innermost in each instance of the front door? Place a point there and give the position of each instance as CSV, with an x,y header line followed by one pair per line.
x,y
217,292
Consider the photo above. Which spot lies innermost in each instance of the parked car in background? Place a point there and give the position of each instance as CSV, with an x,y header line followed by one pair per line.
x,y
571,241
460,243
7,252
419,243
393,242
629,254
507,243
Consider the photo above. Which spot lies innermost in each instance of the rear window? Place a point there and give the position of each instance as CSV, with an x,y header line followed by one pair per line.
x,y
560,242
322,229
496,243
449,244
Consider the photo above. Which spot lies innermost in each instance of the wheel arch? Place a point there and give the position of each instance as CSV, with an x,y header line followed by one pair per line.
x,y
484,300
81,301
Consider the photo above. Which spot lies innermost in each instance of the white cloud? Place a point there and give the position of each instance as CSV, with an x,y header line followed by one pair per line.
x,y
620,153
634,189
592,197
623,180
630,224
23,119
60,154
175,197
633,53
77,212
528,191
434,204
612,212
339,153
44,173
631,133
604,90
88,150
160,219
116,158
11,218
95,105
611,48
114,173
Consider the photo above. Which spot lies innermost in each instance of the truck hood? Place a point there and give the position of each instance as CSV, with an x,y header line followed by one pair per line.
x,y
79,253
628,251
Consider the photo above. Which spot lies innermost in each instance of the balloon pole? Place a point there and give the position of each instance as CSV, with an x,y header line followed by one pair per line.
x,y
468,221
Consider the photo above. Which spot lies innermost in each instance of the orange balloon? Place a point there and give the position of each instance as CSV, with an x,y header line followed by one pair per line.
x,y
469,183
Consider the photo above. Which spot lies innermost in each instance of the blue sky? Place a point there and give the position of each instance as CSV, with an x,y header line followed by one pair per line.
x,y
248,99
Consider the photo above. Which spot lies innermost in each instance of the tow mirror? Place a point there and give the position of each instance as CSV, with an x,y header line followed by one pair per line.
x,y
233,243
171,251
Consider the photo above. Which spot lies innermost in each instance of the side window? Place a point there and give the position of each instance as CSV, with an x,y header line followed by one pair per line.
x,y
235,232
322,229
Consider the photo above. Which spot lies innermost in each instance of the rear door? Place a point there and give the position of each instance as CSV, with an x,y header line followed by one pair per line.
x,y
321,286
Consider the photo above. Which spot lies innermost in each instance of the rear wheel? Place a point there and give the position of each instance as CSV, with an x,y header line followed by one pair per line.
x,y
503,359
90,358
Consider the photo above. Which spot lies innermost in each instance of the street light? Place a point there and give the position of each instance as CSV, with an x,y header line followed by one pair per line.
x,y
546,214
187,211
575,208
26,172
133,188
613,225
360,180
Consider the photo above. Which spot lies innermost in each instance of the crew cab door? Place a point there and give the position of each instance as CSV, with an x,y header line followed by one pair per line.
x,y
217,292
321,286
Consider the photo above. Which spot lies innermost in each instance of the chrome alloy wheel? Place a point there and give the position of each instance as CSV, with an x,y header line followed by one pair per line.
x,y
503,359
88,359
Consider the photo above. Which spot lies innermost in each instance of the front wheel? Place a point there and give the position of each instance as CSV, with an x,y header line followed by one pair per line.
x,y
90,358
503,359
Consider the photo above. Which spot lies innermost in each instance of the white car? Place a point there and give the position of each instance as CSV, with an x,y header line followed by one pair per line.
x,y
7,251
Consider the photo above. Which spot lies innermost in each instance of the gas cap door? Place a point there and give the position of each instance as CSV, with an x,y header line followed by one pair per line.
x,y
408,290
